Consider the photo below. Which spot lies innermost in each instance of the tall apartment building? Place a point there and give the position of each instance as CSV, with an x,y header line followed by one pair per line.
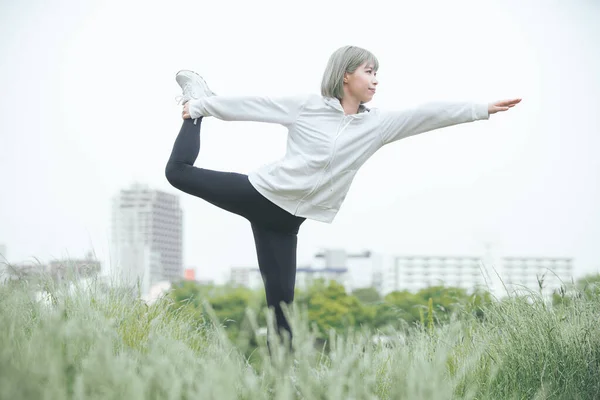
x,y
500,276
147,233
528,272
416,272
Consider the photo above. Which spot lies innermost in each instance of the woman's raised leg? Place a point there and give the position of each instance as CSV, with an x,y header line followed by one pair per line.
x,y
226,190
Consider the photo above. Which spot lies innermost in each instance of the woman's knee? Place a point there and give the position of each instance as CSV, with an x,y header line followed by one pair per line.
x,y
174,172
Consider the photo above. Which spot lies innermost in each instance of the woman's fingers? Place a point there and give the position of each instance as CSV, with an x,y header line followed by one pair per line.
x,y
503,105
507,103
186,111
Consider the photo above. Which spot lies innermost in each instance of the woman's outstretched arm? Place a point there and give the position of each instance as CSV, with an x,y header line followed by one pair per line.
x,y
396,125
280,110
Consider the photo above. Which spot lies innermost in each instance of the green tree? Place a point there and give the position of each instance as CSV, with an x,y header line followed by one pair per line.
x,y
228,303
368,295
402,305
329,306
445,300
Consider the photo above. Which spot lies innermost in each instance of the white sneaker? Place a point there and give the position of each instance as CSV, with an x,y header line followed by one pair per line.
x,y
193,86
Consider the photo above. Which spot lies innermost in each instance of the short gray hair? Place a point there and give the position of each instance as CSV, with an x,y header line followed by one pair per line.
x,y
345,59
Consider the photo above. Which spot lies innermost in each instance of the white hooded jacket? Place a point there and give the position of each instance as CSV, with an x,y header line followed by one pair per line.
x,y
325,147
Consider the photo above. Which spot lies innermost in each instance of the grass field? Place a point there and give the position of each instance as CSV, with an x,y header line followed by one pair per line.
x,y
98,344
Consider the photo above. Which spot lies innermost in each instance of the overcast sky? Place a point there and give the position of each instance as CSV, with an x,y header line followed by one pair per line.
x,y
87,107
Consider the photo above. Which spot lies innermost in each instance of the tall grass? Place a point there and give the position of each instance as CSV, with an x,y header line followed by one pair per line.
x,y
93,343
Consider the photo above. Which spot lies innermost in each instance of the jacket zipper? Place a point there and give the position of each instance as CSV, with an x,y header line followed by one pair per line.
x,y
338,133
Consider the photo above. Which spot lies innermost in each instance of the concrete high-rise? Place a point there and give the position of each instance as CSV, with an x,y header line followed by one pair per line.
x,y
416,272
545,274
146,240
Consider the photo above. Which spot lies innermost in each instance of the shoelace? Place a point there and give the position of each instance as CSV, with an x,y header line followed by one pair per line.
x,y
187,89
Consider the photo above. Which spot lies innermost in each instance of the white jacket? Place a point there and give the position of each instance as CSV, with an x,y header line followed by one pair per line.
x,y
325,147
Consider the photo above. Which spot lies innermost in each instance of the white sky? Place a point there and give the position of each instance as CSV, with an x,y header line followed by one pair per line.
x,y
87,107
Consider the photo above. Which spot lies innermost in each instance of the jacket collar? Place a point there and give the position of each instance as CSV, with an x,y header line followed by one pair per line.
x,y
335,103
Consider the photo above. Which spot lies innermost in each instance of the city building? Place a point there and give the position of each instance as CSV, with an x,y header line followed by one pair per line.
x,y
73,268
416,272
189,274
146,237
251,278
306,276
58,270
361,270
521,274
25,270
388,273
350,270
500,276
248,277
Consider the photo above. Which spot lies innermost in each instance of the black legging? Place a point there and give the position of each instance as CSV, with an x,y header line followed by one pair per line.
x,y
275,230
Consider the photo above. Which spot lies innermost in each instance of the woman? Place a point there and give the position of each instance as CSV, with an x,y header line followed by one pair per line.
x,y
329,137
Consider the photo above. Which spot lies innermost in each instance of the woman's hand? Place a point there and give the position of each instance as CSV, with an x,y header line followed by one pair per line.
x,y
186,111
503,105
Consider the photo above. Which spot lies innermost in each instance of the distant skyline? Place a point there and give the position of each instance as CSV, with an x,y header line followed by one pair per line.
x,y
88,107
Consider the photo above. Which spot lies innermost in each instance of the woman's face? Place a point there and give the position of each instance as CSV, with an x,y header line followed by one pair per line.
x,y
361,83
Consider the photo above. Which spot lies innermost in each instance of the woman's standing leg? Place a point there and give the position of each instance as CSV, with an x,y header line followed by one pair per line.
x,y
276,252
